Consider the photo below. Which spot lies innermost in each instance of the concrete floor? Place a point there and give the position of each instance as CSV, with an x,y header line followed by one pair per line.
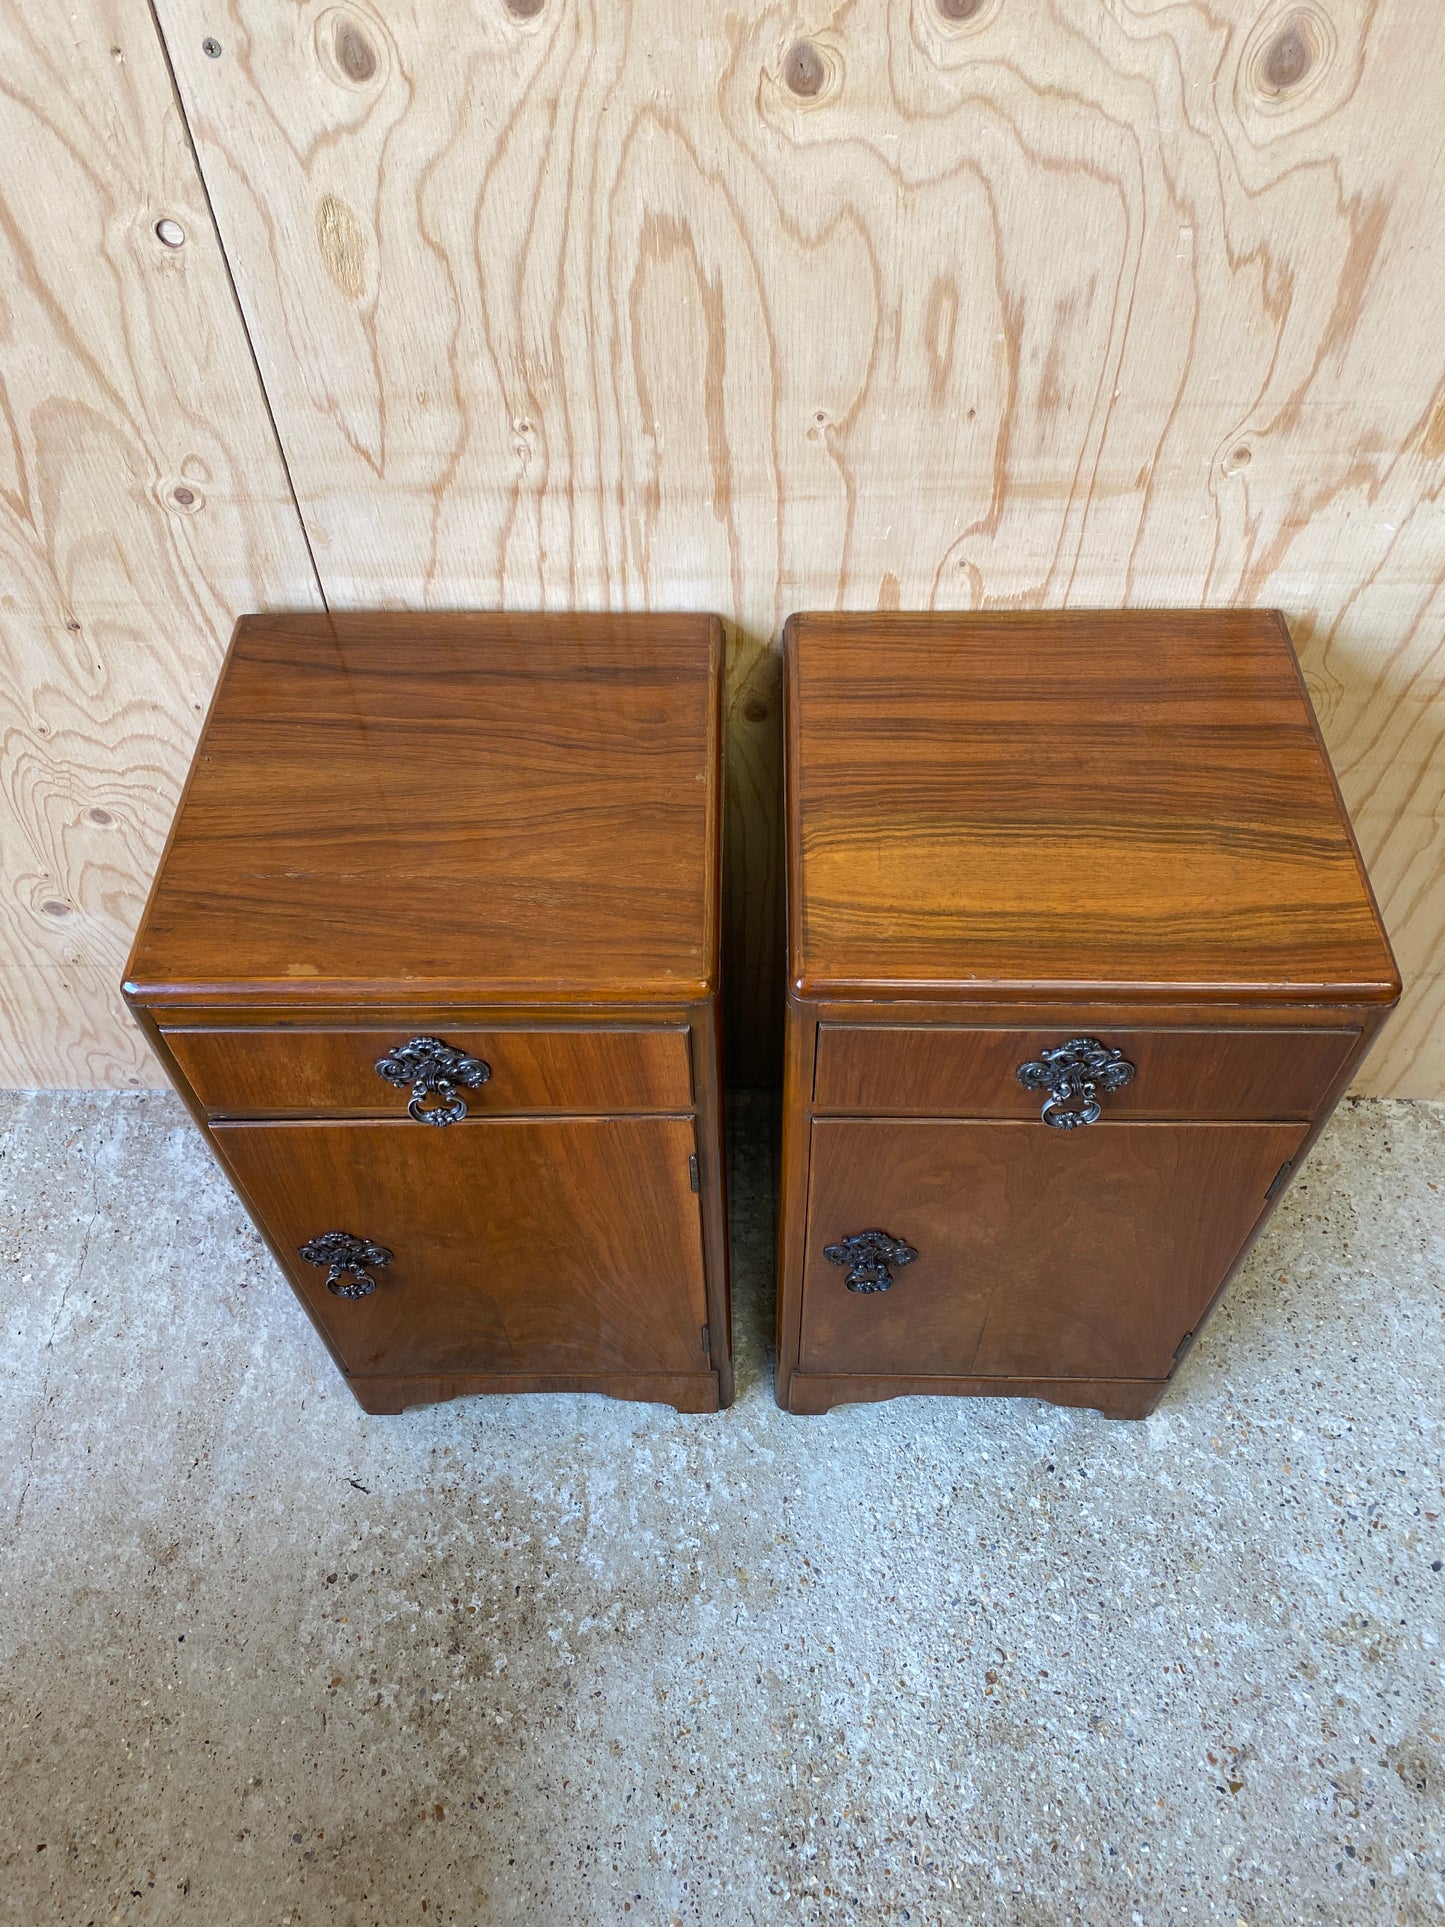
x,y
266,1659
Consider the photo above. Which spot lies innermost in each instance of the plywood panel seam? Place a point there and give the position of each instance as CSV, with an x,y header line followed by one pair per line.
x,y
261,389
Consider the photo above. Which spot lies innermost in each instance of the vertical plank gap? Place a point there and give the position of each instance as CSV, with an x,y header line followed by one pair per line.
x,y
236,300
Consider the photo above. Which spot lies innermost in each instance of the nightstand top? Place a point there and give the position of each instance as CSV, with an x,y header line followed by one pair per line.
x,y
502,809
1084,803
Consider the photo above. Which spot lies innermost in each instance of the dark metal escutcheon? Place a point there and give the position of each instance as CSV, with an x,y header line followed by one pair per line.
x,y
433,1070
871,1254
347,1257
1074,1074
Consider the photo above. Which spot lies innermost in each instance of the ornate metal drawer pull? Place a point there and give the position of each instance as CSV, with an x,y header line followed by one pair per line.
x,y
871,1254
347,1257
433,1070
1073,1075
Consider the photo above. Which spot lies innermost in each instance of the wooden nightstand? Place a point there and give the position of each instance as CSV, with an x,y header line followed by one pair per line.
x,y
432,956
1082,955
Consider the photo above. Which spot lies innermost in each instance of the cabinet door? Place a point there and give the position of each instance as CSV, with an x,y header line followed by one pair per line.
x,y
528,1245
1040,1253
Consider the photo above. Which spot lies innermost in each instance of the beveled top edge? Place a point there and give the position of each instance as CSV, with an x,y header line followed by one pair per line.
x,y
1076,616
402,621
303,994
878,990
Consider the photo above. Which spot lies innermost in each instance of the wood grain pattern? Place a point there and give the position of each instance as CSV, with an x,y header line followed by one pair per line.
x,y
818,1392
952,1072
275,1073
486,829
564,1245
1041,1254
1098,804
475,809
1116,804
143,505
770,307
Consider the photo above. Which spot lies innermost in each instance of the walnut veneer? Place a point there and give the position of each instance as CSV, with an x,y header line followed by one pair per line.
x,y
497,835
1009,834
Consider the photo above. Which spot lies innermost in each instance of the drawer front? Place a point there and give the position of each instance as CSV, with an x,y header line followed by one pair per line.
x,y
529,1245
330,1073
946,1072
1011,1252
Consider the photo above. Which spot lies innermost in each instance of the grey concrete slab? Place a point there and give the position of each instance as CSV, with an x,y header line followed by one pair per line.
x,y
267,1659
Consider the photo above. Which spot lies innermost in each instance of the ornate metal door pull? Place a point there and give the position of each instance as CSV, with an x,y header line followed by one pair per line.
x,y
1073,1075
871,1254
347,1256
433,1070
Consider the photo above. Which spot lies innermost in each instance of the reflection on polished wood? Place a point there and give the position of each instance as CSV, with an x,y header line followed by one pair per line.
x,y
498,808
1075,804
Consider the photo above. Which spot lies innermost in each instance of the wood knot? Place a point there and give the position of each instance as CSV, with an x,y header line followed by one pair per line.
x,y
1287,58
355,55
964,16
755,711
524,9
101,818
351,48
1289,55
804,71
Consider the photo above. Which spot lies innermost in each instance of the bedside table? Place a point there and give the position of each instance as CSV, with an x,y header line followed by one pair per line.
x,y
432,957
1082,955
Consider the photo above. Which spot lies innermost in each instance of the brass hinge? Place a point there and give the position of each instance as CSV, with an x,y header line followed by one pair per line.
x,y
1279,1177
692,1172
707,1340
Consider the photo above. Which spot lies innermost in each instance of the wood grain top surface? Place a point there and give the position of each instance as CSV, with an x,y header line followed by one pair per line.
x,y
1085,802
503,808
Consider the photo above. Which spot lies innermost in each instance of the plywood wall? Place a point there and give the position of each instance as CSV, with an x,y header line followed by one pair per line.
x,y
916,303
143,505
